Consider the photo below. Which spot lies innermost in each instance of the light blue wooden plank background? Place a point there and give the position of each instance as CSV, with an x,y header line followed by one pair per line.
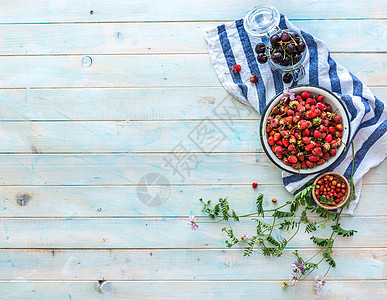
x,y
79,139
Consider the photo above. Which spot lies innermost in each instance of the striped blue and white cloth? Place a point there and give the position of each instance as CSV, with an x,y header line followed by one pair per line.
x,y
230,44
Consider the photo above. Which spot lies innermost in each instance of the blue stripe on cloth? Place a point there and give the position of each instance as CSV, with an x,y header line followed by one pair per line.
x,y
230,58
334,78
252,63
277,78
361,153
313,58
282,23
379,108
349,103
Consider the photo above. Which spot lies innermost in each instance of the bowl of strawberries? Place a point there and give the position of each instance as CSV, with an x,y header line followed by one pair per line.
x,y
305,129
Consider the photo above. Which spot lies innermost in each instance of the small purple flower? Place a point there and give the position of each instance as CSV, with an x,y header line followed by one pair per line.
x,y
244,237
287,93
318,284
293,278
192,223
299,267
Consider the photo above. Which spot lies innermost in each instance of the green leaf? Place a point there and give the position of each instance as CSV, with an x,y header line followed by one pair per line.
x,y
343,232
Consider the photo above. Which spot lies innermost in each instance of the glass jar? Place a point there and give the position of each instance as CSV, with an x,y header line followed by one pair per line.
x,y
263,21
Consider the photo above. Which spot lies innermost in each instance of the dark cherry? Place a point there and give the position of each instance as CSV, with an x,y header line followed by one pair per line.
x,y
262,58
286,61
296,58
277,57
287,78
285,37
260,48
274,40
301,46
290,48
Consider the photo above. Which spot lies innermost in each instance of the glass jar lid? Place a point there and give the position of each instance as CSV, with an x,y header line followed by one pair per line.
x,y
262,20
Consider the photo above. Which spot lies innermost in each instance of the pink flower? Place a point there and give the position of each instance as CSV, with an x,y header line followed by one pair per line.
x,y
319,283
299,267
244,237
293,278
287,93
192,223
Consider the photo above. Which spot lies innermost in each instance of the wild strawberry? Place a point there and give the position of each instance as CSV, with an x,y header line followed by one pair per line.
x,y
317,112
285,142
336,143
310,101
305,140
253,79
286,161
279,142
293,104
317,134
305,95
297,135
320,106
271,141
316,150
277,136
310,114
302,124
290,112
326,155
327,146
284,133
309,124
254,185
322,128
306,132
316,121
275,110
309,147
291,148
320,98
296,119
339,127
314,158
300,156
338,119
321,161
303,165
269,128
325,122
328,107
296,166
279,150
323,135
292,159
273,148
274,123
339,134
292,139
236,68
328,138
288,120
309,164
300,108
307,106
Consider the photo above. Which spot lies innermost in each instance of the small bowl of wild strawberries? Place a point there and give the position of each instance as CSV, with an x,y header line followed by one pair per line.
x,y
331,190
305,129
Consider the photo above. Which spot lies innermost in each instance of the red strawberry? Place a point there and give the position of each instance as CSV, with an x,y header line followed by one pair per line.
x,y
328,138
286,161
317,134
305,95
291,148
320,98
310,101
306,132
331,129
254,185
328,108
277,136
339,127
285,142
316,150
339,134
236,69
333,152
300,108
301,156
271,141
303,165
302,124
326,155
321,106
279,150
338,119
314,158
292,159
305,140
321,161
292,139
309,164
296,166
299,98
310,114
